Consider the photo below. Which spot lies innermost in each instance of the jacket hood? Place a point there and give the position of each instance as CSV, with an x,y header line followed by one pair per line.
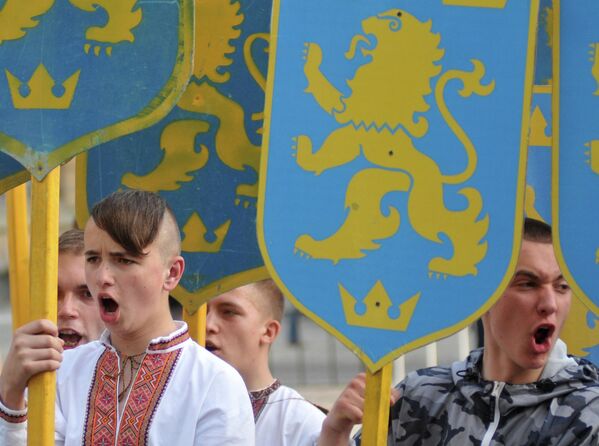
x,y
566,374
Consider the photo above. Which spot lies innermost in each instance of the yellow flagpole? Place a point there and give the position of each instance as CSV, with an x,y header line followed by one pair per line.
x,y
18,253
197,324
43,269
376,407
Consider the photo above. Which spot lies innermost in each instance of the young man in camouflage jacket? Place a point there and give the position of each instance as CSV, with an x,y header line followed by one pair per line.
x,y
521,389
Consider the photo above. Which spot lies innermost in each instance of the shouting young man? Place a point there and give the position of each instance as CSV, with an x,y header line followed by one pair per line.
x,y
37,346
145,381
520,389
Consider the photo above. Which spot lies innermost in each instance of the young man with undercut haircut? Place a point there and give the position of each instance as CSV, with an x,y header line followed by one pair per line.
x,y
241,326
520,389
145,382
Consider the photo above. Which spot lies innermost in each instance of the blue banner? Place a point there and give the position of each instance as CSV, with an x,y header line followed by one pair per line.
x,y
576,147
393,177
80,72
204,157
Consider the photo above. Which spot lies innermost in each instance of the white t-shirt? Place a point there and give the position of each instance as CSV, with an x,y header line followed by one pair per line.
x,y
182,395
287,419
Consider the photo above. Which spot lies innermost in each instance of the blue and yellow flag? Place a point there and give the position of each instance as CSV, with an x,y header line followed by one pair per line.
x,y
576,146
76,73
204,157
393,177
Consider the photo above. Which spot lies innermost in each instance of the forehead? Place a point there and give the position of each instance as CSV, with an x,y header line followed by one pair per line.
x,y
96,239
71,271
72,262
538,258
241,297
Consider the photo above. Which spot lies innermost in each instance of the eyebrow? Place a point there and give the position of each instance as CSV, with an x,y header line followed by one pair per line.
x,y
230,305
119,254
531,275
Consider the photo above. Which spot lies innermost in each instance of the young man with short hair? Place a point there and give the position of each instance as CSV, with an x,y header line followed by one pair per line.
x,y
37,346
520,389
241,326
145,381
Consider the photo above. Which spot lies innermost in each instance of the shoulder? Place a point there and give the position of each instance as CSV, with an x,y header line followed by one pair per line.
x,y
296,403
289,419
427,376
84,354
206,367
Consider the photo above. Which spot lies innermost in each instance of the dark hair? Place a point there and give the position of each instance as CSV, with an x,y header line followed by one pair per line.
x,y
71,242
132,218
537,231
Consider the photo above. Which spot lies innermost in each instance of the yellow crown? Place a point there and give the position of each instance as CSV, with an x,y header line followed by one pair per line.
x,y
195,235
377,309
498,4
40,90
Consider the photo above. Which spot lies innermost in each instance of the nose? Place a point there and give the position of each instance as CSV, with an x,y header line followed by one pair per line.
x,y
547,303
211,325
67,308
103,275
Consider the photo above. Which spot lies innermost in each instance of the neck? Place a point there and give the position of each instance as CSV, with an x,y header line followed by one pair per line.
x,y
498,368
258,378
131,344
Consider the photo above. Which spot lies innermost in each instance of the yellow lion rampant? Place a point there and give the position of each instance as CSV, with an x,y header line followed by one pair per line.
x,y
217,26
379,119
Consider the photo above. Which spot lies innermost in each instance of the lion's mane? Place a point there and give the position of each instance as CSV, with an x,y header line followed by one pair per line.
x,y
390,89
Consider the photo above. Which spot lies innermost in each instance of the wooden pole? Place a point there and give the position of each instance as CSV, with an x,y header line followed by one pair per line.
x,y
376,407
44,270
197,324
18,254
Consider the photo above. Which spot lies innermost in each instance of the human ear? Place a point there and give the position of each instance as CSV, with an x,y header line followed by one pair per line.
x,y
272,328
174,273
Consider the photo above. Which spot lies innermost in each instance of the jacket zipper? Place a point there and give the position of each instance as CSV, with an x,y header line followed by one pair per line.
x,y
497,388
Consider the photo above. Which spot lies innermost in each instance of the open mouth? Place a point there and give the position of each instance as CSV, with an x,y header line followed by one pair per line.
x,y
70,337
543,333
109,305
211,347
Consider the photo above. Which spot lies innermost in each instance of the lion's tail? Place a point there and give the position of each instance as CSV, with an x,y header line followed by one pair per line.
x,y
471,81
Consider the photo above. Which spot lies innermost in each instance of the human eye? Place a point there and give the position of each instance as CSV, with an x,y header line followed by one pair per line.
x,y
84,293
125,261
525,283
562,287
91,259
229,311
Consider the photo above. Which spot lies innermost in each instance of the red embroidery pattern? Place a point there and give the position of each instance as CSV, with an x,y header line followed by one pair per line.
x,y
259,398
145,395
168,343
101,420
12,418
148,388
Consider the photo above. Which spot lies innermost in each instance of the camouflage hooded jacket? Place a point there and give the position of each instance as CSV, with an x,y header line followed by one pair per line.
x,y
455,406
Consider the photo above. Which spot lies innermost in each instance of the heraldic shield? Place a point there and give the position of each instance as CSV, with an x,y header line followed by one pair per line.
x,y
11,173
581,329
576,146
392,182
204,157
77,73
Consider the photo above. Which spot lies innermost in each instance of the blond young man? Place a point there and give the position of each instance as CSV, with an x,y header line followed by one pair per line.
x,y
241,327
145,381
